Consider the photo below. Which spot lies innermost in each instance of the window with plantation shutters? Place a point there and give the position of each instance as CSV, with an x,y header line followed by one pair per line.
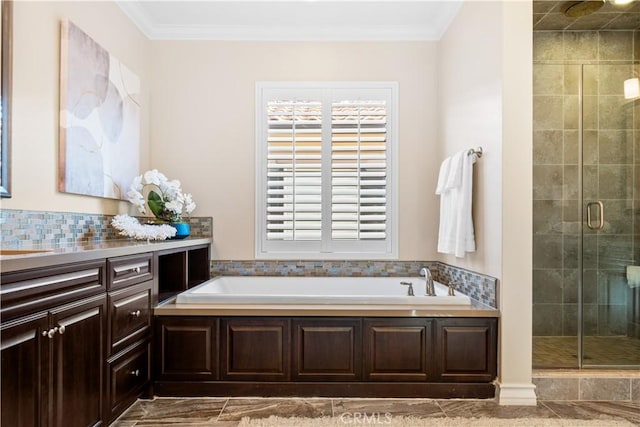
x,y
325,170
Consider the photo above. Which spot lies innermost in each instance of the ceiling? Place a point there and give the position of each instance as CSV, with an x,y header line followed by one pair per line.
x,y
548,16
291,19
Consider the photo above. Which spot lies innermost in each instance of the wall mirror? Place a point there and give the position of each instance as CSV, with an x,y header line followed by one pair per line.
x,y
5,94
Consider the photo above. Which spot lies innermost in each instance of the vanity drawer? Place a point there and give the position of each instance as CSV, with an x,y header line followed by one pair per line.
x,y
129,316
129,270
28,291
128,375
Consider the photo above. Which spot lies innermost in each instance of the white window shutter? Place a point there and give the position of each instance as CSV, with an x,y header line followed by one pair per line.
x,y
326,178
294,182
358,170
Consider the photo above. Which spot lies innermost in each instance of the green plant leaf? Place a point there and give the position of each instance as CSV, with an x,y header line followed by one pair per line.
x,y
156,204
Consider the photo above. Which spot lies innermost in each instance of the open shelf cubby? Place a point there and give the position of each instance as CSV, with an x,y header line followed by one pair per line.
x,y
180,269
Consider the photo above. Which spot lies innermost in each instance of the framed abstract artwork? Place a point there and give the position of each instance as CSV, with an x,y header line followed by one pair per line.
x,y
99,119
6,62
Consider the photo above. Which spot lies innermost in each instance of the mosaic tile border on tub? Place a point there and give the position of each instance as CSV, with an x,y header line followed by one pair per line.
x,y
480,287
25,228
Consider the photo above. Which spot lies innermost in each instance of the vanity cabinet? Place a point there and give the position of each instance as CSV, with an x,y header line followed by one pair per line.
x,y
128,365
53,358
76,338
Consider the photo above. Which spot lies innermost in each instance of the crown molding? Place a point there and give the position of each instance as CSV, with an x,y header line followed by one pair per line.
x,y
136,13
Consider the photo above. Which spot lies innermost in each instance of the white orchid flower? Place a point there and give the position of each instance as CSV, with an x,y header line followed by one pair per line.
x,y
137,184
151,177
189,204
137,199
174,206
172,201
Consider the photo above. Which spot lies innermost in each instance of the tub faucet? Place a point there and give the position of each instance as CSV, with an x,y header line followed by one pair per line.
x,y
429,281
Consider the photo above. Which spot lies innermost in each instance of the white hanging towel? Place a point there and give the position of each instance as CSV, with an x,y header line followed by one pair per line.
x,y
455,183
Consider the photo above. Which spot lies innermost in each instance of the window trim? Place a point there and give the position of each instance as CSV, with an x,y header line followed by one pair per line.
x,y
390,251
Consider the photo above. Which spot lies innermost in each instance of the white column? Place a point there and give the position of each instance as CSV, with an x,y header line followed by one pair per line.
x,y
515,385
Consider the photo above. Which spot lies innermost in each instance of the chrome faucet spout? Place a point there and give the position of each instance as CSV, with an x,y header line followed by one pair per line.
x,y
430,287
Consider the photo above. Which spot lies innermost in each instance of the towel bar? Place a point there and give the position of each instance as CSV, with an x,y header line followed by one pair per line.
x,y
477,152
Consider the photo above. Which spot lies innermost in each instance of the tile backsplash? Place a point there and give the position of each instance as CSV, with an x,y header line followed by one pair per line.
x,y
25,228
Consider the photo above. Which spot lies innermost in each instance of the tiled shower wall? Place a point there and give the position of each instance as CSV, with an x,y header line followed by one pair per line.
x,y
611,160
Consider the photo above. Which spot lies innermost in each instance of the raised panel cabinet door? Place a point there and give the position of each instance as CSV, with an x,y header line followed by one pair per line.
x,y
396,349
24,372
466,349
327,349
255,349
186,348
77,362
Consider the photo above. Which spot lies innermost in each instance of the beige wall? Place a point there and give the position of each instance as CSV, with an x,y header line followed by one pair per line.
x,y
485,99
200,96
470,101
203,104
36,78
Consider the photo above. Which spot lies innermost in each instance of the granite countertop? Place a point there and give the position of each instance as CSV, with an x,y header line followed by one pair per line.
x,y
49,256
170,308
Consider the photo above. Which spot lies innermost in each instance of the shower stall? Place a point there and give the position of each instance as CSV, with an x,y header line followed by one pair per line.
x,y
586,201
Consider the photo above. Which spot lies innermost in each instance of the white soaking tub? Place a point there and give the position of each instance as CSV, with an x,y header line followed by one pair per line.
x,y
312,292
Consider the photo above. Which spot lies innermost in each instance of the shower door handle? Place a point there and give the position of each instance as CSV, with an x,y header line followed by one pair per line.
x,y
600,224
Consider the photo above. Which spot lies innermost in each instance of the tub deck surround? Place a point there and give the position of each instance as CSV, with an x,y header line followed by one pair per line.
x,y
477,286
318,292
170,308
316,340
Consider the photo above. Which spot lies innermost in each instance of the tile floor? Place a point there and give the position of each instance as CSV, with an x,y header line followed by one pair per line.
x,y
227,412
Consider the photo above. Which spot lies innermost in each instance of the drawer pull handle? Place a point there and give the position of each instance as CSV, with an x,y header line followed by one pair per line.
x,y
135,313
52,332
61,329
136,373
135,270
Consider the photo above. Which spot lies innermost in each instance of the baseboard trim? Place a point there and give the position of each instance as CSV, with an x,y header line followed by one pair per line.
x,y
325,389
516,394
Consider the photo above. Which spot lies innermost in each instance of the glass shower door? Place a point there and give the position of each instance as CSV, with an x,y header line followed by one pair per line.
x,y
609,295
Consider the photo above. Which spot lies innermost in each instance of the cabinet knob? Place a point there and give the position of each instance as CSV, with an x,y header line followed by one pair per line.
x,y
61,329
135,270
135,313
136,373
52,332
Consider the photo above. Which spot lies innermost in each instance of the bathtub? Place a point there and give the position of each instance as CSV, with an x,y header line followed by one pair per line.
x,y
312,292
